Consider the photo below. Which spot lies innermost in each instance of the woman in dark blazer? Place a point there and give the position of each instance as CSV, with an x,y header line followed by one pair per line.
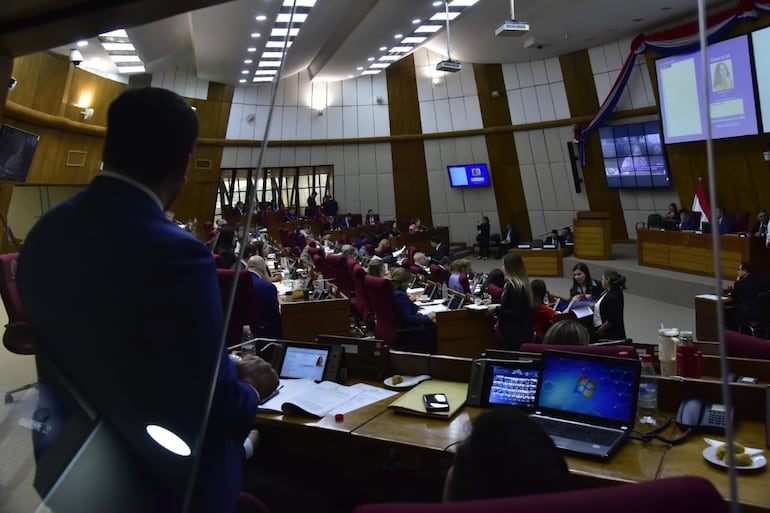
x,y
583,284
514,313
410,315
483,237
609,321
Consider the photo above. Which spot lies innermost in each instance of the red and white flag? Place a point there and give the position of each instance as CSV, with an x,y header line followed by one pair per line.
x,y
700,203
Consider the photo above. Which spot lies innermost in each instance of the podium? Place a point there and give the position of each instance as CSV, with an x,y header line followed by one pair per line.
x,y
593,235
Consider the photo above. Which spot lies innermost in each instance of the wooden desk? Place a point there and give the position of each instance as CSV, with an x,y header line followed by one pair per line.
x,y
464,332
303,321
687,460
593,235
542,262
706,316
691,252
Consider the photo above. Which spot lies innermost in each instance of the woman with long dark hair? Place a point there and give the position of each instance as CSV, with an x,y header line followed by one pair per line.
x,y
582,284
514,313
608,311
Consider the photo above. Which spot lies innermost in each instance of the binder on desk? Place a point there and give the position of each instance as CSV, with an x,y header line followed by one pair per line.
x,y
411,402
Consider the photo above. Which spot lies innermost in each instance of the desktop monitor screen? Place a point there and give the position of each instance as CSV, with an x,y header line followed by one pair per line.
x,y
17,148
468,175
633,155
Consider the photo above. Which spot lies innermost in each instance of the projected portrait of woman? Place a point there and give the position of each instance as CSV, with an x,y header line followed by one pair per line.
x,y
722,76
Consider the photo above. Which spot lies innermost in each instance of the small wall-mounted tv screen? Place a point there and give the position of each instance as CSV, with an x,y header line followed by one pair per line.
x,y
17,148
468,175
634,155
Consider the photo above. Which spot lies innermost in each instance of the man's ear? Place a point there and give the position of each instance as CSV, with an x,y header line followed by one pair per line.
x,y
180,173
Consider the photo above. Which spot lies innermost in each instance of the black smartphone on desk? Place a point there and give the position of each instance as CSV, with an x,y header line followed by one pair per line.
x,y
435,402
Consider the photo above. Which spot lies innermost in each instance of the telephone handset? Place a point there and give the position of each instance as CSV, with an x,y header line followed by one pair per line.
x,y
697,413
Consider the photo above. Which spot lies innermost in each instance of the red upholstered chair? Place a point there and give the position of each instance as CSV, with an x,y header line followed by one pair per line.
x,y
320,265
338,269
671,494
388,316
606,350
465,282
362,308
741,345
495,292
219,261
245,307
17,337
438,274
247,503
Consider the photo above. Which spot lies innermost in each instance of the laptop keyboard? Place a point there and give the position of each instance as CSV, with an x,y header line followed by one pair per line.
x,y
576,431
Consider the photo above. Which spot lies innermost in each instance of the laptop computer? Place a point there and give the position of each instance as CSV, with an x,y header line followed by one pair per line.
x,y
429,291
455,302
587,402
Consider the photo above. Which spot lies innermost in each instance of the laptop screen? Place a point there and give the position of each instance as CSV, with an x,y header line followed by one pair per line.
x,y
304,362
455,302
513,385
429,290
582,385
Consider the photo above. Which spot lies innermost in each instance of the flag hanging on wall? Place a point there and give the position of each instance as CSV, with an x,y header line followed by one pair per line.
x,y
700,203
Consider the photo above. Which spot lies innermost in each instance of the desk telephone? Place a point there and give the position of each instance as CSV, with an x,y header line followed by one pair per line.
x,y
699,414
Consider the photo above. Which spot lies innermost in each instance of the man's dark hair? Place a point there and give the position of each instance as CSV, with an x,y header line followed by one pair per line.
x,y
149,131
436,239
747,266
507,454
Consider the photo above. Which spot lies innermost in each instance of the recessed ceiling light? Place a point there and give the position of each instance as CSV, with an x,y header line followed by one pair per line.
x,y
462,3
261,17
277,44
272,55
436,4
288,18
380,65
247,61
125,58
281,32
266,72
442,16
269,64
242,81
402,49
428,28
390,57
350,76
359,68
244,72
119,47
82,43
371,72
299,3
262,79
370,59
251,49
255,35
398,36
414,40
416,21
383,48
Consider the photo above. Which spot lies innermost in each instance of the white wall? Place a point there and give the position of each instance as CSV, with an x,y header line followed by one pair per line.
x,y
183,80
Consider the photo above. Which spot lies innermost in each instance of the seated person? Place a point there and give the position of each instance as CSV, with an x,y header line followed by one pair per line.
x,y
225,246
507,454
347,221
687,221
267,298
567,236
723,222
376,268
328,224
760,227
566,332
672,212
370,218
494,285
746,288
440,250
410,316
394,231
553,239
416,226
349,252
421,262
543,316
458,269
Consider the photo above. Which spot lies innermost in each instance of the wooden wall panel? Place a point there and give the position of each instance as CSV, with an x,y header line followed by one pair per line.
x,y
501,148
42,78
89,90
582,98
410,173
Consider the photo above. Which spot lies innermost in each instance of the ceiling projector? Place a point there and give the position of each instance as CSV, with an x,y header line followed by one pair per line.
x,y
512,28
449,66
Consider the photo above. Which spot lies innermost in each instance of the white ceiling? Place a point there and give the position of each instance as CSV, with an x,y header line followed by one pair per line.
x,y
339,35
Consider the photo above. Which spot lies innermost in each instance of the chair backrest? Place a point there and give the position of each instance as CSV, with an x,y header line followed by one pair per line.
x,y
338,267
606,350
465,283
362,303
741,345
320,265
246,310
380,292
219,261
438,273
672,494
495,291
17,337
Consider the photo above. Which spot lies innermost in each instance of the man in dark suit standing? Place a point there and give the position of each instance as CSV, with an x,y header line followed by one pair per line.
x,y
141,345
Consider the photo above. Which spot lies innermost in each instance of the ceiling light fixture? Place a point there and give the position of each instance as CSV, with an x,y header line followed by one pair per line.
x,y
82,43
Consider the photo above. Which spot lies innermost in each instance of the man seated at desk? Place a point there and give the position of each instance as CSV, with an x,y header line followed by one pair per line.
x,y
440,250
687,220
267,298
553,240
746,288
410,316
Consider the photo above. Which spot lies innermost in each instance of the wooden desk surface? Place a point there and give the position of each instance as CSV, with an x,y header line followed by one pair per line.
x,y
753,486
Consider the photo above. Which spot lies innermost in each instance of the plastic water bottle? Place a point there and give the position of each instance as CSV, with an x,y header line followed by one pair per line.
x,y
248,348
647,406
320,282
444,292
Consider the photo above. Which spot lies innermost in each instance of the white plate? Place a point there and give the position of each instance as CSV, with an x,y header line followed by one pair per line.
x,y
476,307
710,453
409,381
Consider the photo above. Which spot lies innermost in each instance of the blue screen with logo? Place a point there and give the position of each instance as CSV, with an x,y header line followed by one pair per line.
x,y
468,175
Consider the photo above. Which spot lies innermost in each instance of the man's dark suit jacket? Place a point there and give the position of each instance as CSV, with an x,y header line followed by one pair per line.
x,y
137,330
440,253
267,298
